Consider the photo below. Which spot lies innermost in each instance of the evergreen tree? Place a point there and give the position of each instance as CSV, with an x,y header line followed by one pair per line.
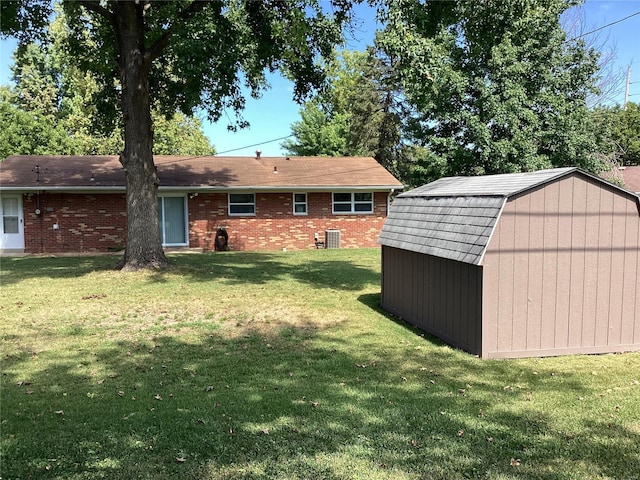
x,y
355,115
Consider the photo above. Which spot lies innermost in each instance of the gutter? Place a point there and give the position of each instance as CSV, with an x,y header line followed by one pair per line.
x,y
200,188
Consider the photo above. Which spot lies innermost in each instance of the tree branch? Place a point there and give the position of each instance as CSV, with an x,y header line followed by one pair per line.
x,y
161,43
94,6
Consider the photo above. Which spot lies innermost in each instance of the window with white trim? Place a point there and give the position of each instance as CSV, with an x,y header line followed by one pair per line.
x,y
242,204
352,202
172,220
300,204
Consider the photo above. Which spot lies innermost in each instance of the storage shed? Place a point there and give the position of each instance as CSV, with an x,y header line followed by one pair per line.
x,y
517,265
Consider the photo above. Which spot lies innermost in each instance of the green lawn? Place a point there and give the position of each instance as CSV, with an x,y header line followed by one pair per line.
x,y
281,366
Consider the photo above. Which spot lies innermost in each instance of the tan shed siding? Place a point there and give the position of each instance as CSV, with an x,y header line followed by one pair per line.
x,y
520,303
578,241
631,283
440,296
617,270
592,233
536,270
561,272
548,295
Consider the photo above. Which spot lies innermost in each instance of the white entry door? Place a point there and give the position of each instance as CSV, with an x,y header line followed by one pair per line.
x,y
11,223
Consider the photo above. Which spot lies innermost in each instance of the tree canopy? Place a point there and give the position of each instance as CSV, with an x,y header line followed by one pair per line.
x,y
494,86
618,133
180,56
461,88
51,110
356,114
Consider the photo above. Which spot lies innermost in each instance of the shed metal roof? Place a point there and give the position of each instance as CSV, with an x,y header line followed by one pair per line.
x,y
454,217
506,184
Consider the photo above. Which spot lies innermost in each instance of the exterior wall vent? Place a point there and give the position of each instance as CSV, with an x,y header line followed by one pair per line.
x,y
332,238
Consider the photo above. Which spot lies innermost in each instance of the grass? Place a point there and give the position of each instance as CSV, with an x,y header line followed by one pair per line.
x,y
278,366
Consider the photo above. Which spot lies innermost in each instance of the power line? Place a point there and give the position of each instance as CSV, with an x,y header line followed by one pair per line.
x,y
254,145
606,26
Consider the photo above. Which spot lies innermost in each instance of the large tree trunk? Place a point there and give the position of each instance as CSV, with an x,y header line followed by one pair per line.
x,y
143,244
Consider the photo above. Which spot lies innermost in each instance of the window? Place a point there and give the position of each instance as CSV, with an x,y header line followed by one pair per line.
x,y
242,204
10,215
172,217
353,202
299,203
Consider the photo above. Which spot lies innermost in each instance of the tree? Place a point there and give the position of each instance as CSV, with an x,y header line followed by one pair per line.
x,y
318,133
494,86
183,55
51,108
29,133
618,133
355,115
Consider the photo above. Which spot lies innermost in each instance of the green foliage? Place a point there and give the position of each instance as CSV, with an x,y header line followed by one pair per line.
x,y
355,115
618,132
203,53
29,133
26,21
36,78
494,87
179,135
52,110
281,366
315,134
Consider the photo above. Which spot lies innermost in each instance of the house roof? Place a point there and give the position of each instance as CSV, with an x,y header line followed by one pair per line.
x,y
18,172
631,178
454,217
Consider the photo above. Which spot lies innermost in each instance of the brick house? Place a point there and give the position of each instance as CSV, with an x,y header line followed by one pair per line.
x,y
52,204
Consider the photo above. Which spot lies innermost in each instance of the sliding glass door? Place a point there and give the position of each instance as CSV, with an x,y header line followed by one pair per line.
x,y
172,213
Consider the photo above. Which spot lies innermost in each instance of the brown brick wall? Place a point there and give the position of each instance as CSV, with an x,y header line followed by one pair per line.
x,y
97,222
275,227
86,223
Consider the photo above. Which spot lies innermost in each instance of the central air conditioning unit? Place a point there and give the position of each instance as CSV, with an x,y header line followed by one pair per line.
x,y
332,238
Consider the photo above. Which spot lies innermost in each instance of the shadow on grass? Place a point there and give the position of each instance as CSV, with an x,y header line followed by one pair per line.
x,y
284,406
325,269
15,269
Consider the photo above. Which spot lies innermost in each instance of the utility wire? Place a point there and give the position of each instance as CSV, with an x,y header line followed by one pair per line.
x,y
605,26
254,145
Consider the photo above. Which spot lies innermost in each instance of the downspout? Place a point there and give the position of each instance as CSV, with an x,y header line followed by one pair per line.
x,y
389,199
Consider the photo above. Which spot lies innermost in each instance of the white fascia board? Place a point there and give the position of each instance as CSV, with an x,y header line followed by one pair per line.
x,y
495,225
61,189
297,188
122,189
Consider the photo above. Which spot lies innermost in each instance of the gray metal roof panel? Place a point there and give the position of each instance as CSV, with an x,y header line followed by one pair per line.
x,y
506,184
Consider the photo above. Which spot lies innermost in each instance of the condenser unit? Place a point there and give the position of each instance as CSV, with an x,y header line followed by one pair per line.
x,y
332,238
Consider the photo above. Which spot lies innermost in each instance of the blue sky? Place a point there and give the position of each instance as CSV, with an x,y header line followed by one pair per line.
x,y
271,116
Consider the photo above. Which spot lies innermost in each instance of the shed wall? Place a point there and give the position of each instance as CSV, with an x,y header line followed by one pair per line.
x,y
561,272
442,297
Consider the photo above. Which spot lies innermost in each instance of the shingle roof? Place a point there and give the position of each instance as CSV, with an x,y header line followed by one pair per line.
x,y
457,228
213,172
498,185
454,217
631,178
